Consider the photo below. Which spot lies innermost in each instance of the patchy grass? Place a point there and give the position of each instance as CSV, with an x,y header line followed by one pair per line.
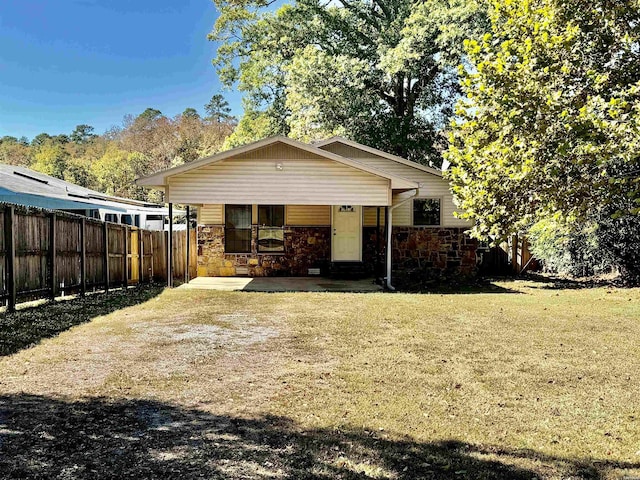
x,y
523,380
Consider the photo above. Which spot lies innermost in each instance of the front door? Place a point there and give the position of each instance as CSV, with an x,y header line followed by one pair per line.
x,y
346,241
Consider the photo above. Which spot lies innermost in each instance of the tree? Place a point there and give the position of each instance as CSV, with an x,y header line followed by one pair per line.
x,y
190,128
549,126
150,115
116,171
153,135
379,71
40,139
191,113
79,173
51,159
13,151
82,134
218,109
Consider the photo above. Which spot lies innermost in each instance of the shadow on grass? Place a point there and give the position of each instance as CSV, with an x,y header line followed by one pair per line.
x,y
551,282
477,286
47,438
481,286
28,326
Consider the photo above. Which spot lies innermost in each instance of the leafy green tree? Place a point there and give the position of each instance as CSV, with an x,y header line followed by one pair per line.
x,y
51,159
61,138
79,173
381,72
13,151
550,123
115,172
40,139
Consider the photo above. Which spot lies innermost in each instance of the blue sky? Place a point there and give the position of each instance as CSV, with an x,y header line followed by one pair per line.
x,y
67,62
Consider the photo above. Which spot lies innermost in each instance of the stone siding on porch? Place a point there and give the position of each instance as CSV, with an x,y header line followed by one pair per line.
x,y
421,255
305,247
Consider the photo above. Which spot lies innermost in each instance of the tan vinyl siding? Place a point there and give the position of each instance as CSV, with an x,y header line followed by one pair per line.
x,y
211,215
370,217
305,179
402,214
433,185
308,215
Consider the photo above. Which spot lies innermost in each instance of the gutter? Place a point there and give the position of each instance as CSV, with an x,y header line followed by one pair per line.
x,y
390,235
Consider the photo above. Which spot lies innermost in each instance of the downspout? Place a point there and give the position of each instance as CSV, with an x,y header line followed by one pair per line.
x,y
390,235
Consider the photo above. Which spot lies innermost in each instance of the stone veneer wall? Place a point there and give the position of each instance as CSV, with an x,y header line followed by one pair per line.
x,y
423,255
369,246
305,247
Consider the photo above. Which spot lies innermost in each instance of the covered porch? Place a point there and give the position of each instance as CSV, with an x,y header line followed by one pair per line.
x,y
282,284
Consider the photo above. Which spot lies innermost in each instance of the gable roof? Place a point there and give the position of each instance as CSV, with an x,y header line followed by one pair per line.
x,y
159,179
379,153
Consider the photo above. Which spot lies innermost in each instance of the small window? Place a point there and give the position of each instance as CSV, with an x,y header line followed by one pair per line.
x,y
237,232
270,228
426,212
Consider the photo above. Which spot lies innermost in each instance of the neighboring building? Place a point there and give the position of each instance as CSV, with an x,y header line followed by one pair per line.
x,y
23,186
283,207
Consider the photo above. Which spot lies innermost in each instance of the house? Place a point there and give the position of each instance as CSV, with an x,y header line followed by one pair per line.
x,y
23,186
282,207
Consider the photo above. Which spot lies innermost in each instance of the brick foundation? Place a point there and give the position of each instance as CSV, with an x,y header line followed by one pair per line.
x,y
305,247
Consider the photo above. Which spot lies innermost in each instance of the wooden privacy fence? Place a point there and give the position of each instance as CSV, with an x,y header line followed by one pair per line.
x,y
44,254
513,256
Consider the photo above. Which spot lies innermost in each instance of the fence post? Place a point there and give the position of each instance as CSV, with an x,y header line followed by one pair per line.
x,y
10,255
83,256
153,257
186,269
125,254
170,248
53,257
105,260
140,256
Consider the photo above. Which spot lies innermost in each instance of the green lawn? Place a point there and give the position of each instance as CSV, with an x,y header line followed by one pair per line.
x,y
522,380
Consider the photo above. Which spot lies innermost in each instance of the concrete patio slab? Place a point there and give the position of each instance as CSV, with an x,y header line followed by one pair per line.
x,y
282,284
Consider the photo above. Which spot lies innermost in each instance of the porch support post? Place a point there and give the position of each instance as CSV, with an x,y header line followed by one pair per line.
x,y
170,248
389,226
377,265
